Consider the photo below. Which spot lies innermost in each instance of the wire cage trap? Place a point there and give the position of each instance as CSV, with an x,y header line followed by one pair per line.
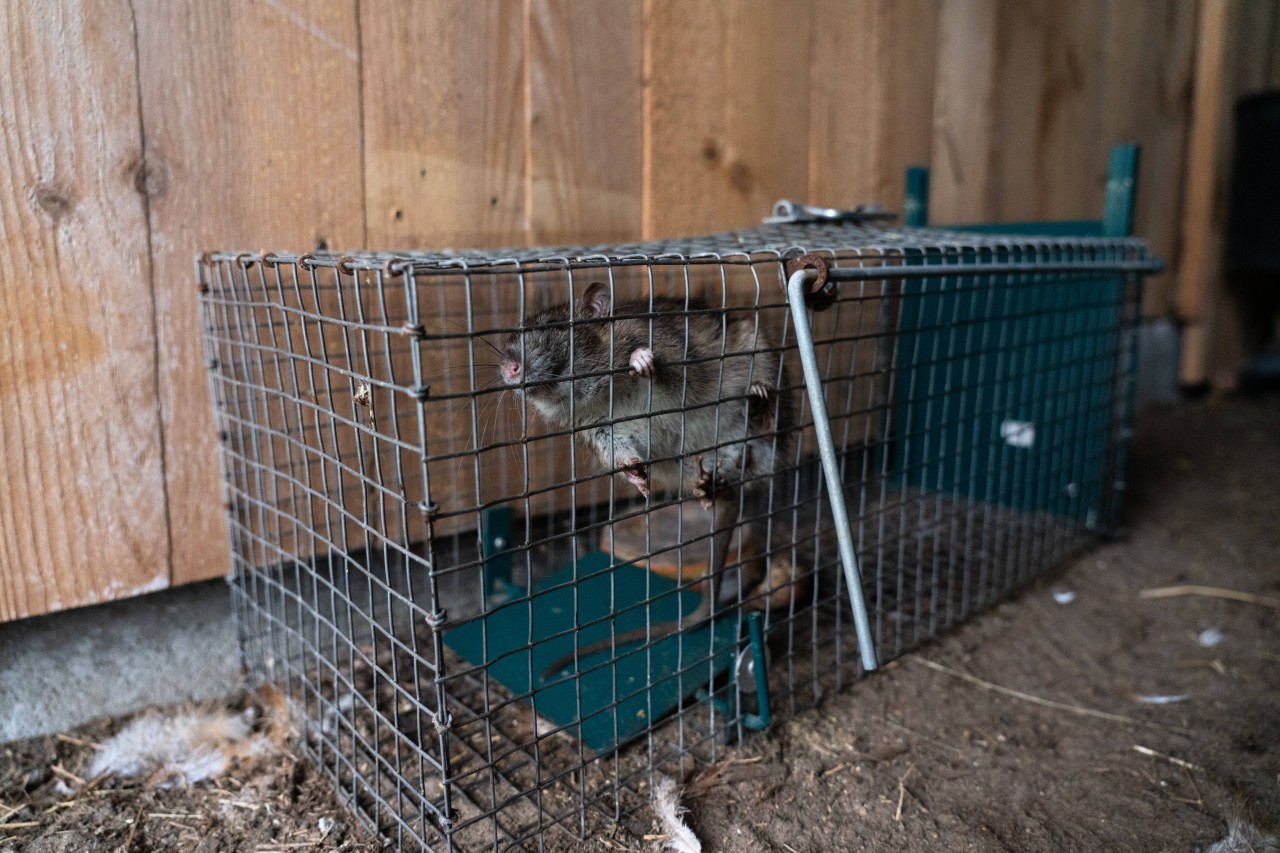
x,y
516,531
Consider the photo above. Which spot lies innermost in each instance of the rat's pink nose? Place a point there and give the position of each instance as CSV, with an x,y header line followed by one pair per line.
x,y
511,371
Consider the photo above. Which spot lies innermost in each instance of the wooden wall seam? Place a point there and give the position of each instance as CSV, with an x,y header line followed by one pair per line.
x,y
146,187
250,109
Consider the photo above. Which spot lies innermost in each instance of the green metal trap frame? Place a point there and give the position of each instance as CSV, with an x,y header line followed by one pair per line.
x,y
610,698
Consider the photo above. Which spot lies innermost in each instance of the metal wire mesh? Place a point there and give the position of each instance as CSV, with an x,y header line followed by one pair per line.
x,y
414,536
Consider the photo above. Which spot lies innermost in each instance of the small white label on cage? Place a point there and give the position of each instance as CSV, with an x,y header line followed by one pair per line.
x,y
1018,433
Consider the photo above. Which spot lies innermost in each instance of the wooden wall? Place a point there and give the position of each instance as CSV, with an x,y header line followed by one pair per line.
x,y
136,134
1238,45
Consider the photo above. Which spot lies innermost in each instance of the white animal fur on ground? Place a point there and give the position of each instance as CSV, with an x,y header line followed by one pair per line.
x,y
179,749
1244,837
666,802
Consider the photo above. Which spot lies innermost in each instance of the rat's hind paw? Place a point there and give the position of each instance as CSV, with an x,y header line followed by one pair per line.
x,y
642,363
762,400
704,485
637,475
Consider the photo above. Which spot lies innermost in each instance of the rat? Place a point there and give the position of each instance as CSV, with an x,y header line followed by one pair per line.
x,y
668,393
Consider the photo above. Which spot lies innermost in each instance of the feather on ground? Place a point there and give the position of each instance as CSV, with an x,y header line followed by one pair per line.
x,y
666,801
1244,837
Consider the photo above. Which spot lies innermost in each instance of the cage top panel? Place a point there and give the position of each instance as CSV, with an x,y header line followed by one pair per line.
x,y
863,244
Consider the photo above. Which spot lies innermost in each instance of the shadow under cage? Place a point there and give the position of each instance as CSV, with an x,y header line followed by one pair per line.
x,y
516,531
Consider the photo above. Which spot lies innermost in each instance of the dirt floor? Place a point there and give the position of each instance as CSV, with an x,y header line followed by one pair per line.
x,y
1026,729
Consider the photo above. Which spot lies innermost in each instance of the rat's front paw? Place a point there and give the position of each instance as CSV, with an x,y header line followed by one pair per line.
x,y
642,362
637,475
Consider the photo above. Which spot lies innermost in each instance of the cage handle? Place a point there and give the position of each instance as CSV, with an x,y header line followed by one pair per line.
x,y
797,292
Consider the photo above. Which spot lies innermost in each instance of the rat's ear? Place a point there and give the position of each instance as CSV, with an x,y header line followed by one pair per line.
x,y
596,302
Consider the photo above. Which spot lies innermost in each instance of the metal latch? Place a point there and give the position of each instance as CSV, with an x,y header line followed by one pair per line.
x,y
786,211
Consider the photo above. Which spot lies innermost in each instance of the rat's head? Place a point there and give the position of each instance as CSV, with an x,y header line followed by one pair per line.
x,y
537,358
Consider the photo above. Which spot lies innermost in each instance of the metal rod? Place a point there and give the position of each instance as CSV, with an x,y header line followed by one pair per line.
x,y
445,265
936,270
760,669
830,468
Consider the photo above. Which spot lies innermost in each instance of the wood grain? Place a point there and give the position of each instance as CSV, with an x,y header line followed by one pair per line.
x,y
871,99
1234,57
444,123
252,133
727,112
966,149
905,56
1031,95
871,107
586,121
1052,163
1148,100
82,499
1252,47
286,124
845,105
446,120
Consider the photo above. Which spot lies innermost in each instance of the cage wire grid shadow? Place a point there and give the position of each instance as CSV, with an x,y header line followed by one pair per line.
x,y
445,563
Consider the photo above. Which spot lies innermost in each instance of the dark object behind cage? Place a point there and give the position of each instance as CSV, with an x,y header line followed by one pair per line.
x,y
447,586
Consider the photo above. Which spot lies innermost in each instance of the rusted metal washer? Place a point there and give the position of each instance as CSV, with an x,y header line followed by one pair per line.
x,y
821,291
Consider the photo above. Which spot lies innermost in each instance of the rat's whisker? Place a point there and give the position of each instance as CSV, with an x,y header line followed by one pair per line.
x,y
455,326
492,346
515,457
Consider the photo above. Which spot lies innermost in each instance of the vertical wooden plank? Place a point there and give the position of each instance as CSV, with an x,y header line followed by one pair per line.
x,y
871,106
446,128
445,123
1030,96
1148,61
966,119
1233,58
844,104
905,52
252,121
1052,164
1252,43
871,98
1200,240
727,112
585,121
82,516
1273,77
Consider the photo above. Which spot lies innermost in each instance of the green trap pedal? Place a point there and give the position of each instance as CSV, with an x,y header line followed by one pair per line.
x,y
608,701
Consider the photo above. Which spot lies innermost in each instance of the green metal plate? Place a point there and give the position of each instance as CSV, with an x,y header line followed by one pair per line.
x,y
608,701
1049,228
1006,391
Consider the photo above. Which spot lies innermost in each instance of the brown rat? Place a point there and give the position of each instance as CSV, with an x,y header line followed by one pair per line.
x,y
695,391
667,393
